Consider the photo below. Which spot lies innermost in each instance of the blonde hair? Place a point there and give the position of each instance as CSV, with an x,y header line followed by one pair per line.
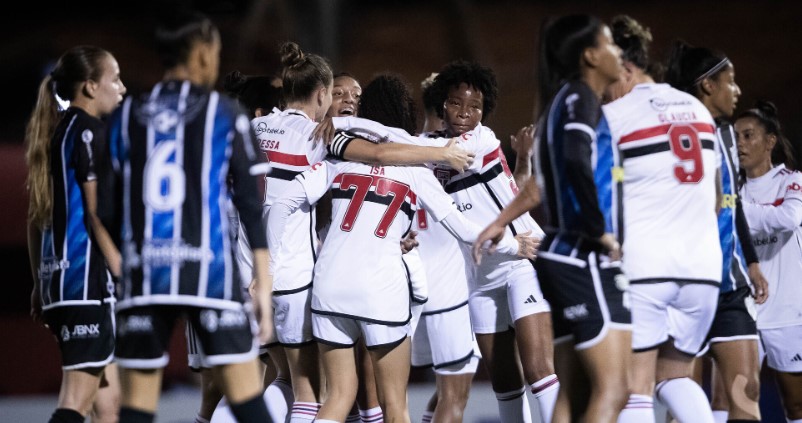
x,y
38,133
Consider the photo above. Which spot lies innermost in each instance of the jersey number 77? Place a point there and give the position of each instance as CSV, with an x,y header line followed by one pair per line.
x,y
385,191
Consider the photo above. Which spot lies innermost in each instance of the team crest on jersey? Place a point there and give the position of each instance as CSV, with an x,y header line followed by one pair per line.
x,y
442,175
165,121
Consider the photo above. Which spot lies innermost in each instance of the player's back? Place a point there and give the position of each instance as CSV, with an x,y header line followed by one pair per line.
x,y
283,137
667,143
173,149
360,272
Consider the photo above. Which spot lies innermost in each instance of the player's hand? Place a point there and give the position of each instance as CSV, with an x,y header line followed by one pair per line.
x,y
759,283
611,246
456,157
409,242
527,245
324,131
263,310
523,141
36,305
487,240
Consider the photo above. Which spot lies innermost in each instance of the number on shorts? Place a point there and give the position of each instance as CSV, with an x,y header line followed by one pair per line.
x,y
383,188
685,144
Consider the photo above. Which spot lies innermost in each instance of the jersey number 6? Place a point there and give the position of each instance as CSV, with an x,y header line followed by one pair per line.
x,y
385,189
164,180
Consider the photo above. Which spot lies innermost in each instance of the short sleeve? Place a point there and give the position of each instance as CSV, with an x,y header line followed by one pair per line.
x,y
85,154
431,195
582,111
793,188
317,179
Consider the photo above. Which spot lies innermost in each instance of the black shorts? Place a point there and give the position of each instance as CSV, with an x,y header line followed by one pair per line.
x,y
733,319
85,334
221,336
586,297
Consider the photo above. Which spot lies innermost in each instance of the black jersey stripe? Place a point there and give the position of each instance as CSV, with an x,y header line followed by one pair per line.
x,y
658,148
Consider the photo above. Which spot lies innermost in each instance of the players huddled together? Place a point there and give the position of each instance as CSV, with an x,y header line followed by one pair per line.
x,y
318,246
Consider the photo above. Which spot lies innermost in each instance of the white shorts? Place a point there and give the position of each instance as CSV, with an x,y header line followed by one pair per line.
x,y
344,332
682,311
292,317
443,339
783,348
497,309
415,311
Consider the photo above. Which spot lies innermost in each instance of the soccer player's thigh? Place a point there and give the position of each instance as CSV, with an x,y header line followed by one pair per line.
x,y
571,289
690,315
489,310
225,336
450,337
143,336
783,347
292,317
85,334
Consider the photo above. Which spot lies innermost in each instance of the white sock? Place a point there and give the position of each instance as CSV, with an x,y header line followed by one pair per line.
x,y
374,415
199,419
427,417
279,397
325,421
513,406
685,399
304,411
545,391
720,416
793,421
639,409
353,417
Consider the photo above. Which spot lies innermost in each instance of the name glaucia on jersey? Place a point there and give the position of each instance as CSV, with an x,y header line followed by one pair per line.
x,y
661,105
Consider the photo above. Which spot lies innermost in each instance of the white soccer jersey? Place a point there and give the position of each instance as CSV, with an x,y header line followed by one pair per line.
x,y
773,207
670,159
284,138
480,193
359,273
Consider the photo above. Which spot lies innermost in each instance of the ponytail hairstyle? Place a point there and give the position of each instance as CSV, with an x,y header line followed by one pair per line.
x,y
766,114
562,43
76,66
634,41
688,66
253,91
302,73
387,100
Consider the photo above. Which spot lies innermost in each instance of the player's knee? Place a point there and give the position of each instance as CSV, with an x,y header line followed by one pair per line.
x,y
454,395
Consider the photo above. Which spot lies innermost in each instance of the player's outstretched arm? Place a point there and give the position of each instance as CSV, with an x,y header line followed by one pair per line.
x,y
527,199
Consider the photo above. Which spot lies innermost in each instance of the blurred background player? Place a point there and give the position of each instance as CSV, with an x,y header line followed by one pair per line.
x,y
173,151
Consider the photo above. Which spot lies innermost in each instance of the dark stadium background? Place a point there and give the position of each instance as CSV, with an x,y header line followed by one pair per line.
x,y
362,37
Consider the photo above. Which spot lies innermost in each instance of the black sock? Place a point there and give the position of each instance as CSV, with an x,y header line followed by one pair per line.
x,y
132,415
66,415
252,411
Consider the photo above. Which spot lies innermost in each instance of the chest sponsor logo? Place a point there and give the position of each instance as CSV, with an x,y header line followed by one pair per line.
x,y
765,241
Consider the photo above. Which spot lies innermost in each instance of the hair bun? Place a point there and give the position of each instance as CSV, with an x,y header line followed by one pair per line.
x,y
291,54
767,107
235,82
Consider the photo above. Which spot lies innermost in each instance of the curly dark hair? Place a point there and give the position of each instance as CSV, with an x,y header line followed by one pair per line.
x,y
471,73
387,99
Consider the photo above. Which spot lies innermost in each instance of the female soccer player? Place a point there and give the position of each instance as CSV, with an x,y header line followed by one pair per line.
x,y
577,263
285,138
732,339
772,202
73,293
